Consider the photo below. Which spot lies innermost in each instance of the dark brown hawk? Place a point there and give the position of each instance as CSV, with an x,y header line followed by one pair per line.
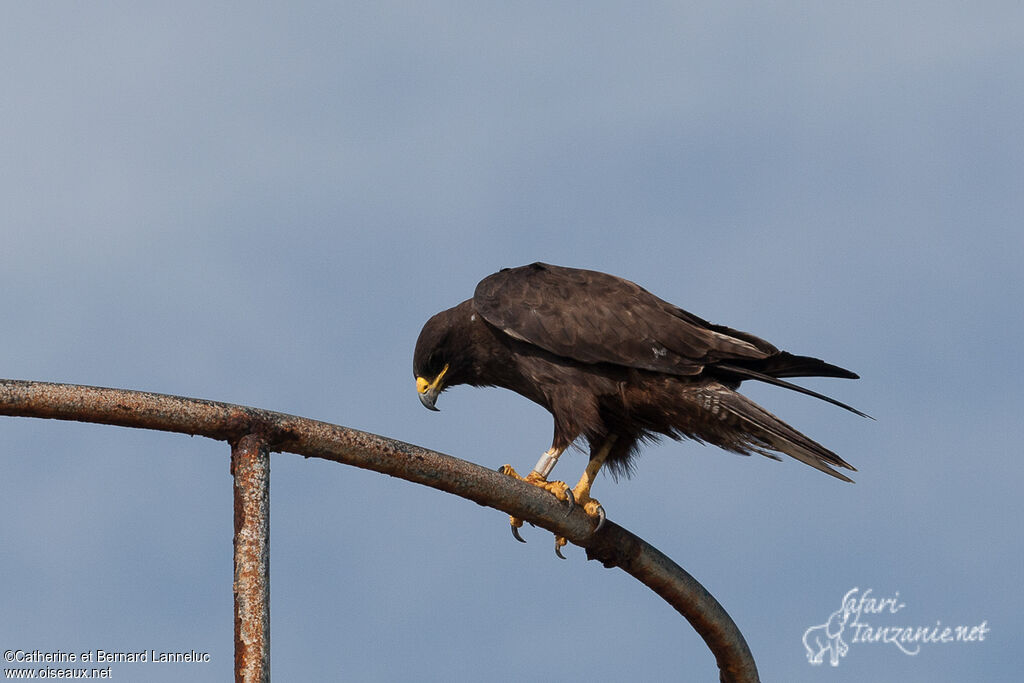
x,y
615,365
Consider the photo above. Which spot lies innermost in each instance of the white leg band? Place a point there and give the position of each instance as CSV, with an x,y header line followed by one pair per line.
x,y
547,462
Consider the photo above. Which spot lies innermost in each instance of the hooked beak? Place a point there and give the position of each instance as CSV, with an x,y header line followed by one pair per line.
x,y
428,398
428,391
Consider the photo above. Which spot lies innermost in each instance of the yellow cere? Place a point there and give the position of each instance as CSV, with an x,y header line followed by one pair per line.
x,y
422,385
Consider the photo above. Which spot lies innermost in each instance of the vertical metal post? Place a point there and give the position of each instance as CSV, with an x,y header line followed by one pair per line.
x,y
250,467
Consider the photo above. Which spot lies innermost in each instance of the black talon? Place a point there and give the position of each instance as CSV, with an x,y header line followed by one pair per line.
x,y
600,518
558,550
572,501
515,534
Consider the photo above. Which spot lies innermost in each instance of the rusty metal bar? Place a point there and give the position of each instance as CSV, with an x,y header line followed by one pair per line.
x,y
613,545
250,468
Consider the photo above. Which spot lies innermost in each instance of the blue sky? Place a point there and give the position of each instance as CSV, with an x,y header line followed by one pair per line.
x,y
262,205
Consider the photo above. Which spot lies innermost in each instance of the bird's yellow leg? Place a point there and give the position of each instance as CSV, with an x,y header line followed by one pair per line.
x,y
538,477
581,492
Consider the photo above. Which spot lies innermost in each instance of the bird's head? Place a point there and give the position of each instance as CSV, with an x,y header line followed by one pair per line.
x,y
434,360
454,347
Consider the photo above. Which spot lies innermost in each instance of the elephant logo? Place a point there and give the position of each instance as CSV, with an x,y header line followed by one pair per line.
x,y
828,637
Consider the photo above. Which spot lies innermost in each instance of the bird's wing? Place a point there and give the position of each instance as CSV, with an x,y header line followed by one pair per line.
x,y
593,317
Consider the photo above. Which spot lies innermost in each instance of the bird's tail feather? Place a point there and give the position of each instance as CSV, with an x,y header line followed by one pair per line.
x,y
785,364
763,432
762,376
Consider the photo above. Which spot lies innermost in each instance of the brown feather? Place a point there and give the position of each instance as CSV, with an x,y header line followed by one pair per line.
x,y
608,358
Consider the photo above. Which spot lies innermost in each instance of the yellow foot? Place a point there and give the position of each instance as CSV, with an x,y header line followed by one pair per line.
x,y
591,506
559,489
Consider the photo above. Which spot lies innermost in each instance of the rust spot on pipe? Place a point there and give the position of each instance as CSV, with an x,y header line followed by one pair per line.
x,y
250,467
